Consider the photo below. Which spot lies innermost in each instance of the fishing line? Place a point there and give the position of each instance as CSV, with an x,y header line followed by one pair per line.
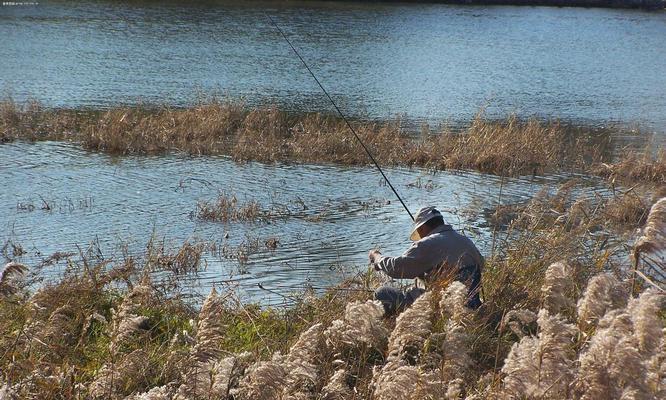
x,y
341,114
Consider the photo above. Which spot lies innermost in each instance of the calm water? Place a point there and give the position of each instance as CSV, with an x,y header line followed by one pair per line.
x,y
429,62
341,213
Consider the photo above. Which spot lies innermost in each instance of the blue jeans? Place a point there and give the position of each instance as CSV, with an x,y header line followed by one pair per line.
x,y
395,300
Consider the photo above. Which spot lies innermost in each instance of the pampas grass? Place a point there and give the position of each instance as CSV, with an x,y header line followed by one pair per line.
x,y
8,272
199,370
412,328
98,334
362,327
556,286
264,380
337,387
603,293
453,300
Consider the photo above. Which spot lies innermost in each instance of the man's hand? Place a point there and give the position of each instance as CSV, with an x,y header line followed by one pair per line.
x,y
373,256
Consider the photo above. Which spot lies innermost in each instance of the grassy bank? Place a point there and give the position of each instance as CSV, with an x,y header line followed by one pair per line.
x,y
558,321
507,147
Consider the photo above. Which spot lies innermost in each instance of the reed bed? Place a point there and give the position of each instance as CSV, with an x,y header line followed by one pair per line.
x,y
504,147
227,208
561,320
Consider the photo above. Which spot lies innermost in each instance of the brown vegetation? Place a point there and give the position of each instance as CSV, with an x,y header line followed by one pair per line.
x,y
556,304
227,208
620,211
509,147
32,121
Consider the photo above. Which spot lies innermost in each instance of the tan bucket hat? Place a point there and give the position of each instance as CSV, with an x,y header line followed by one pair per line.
x,y
424,215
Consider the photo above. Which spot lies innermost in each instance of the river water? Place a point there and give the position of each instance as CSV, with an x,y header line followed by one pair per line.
x,y
427,62
337,214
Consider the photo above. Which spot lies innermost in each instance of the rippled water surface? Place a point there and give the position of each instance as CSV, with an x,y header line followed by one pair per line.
x,y
427,61
338,214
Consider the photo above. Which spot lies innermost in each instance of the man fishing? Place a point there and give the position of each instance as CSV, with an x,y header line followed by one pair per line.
x,y
438,251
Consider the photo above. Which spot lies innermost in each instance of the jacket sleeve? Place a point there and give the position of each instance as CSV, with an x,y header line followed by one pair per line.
x,y
415,262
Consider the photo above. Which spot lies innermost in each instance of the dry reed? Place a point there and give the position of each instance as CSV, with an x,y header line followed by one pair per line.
x,y
7,274
65,342
509,147
653,238
227,208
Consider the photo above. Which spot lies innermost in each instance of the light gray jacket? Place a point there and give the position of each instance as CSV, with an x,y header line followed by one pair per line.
x,y
444,248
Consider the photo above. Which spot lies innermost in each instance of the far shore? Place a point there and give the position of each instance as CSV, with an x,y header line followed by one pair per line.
x,y
635,4
626,4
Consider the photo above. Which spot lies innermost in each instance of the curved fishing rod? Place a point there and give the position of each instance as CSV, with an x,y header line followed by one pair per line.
x,y
341,114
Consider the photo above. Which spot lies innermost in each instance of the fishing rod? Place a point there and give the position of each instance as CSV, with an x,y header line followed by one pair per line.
x,y
341,114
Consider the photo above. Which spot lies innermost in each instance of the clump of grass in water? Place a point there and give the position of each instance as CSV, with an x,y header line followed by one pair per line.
x,y
227,208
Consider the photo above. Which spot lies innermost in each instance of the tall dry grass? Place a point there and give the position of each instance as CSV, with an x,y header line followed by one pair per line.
x,y
558,322
505,147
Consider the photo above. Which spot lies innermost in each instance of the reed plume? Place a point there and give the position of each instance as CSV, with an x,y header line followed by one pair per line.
x,y
656,366
164,392
7,392
519,321
602,294
398,378
197,376
611,367
112,380
123,370
361,327
452,303
302,363
645,318
412,328
540,367
210,329
338,387
556,286
59,327
125,322
9,271
226,374
456,362
653,238
264,380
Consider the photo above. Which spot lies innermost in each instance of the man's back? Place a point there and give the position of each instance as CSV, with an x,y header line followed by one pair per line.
x,y
443,247
438,251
